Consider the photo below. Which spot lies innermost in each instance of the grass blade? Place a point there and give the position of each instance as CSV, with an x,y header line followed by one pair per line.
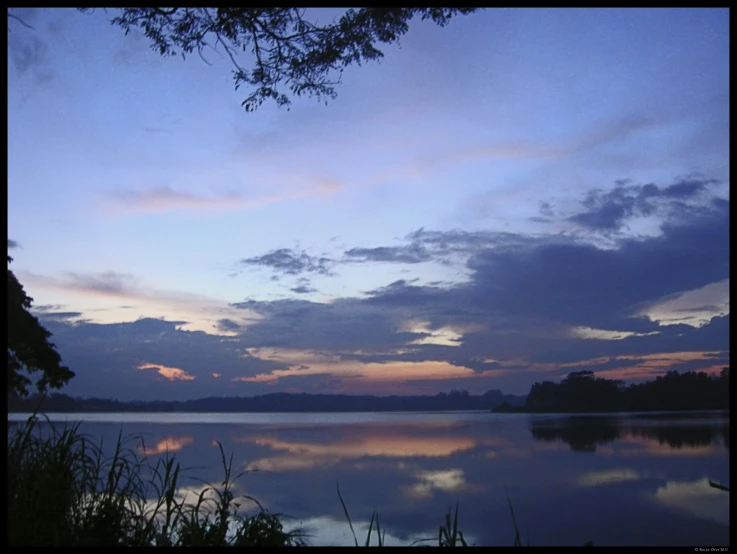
x,y
347,516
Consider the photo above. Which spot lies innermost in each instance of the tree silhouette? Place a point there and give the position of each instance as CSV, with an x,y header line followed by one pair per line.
x,y
29,349
286,50
582,391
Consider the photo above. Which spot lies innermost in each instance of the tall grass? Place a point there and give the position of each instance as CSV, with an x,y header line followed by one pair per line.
x,y
63,491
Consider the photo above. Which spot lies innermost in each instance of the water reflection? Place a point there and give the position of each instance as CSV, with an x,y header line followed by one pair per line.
x,y
362,442
447,480
616,480
609,476
582,434
695,497
165,445
666,436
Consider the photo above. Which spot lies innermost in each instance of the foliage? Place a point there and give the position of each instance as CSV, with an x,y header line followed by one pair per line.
x,y
288,51
29,349
582,391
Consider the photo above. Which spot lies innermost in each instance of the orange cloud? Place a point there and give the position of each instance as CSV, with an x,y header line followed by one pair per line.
x,y
217,375
305,362
164,199
169,373
655,365
652,365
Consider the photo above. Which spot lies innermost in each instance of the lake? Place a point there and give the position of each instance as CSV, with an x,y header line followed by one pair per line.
x,y
623,479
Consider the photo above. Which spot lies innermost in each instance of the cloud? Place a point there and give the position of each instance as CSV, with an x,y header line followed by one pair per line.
x,y
607,212
105,291
528,301
546,210
587,286
108,356
291,262
410,254
168,373
13,244
45,315
695,307
165,198
602,334
228,325
650,366
528,307
424,167
302,289
109,282
300,363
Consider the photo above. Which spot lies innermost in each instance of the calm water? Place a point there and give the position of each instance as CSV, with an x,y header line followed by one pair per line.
x,y
621,480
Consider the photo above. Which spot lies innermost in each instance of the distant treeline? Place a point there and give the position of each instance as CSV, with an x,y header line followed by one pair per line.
x,y
582,391
280,402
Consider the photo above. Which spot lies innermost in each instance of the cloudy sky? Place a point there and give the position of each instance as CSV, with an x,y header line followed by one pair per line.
x,y
521,194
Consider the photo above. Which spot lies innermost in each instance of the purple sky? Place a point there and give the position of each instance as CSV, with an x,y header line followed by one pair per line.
x,y
521,194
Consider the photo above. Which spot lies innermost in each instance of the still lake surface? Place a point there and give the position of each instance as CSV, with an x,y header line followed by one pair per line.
x,y
623,479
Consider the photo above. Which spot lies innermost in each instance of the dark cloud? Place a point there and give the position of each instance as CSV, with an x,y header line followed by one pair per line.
x,y
291,262
63,316
546,210
448,243
106,356
607,212
344,324
582,284
13,244
524,297
108,282
688,188
409,254
48,308
227,325
302,289
673,338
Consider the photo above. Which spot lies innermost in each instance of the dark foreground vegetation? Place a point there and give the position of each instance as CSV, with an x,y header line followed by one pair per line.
x,y
581,391
64,491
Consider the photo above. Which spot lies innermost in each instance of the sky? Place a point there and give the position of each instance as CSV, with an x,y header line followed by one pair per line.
x,y
518,195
